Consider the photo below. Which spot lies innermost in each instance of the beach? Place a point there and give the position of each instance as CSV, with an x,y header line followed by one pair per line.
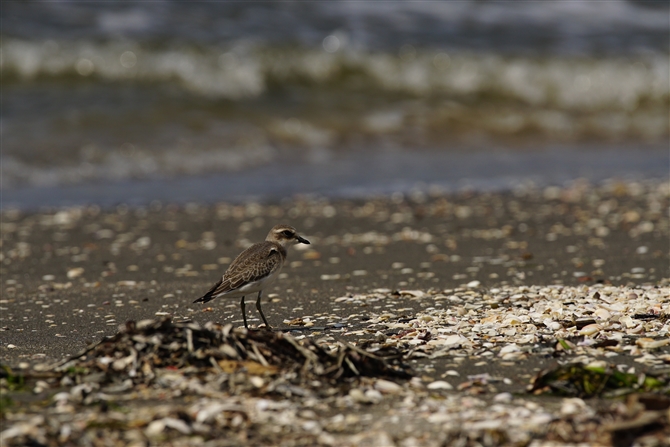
x,y
484,186
475,290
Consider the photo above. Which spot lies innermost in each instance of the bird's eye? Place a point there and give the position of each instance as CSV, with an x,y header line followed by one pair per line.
x,y
287,233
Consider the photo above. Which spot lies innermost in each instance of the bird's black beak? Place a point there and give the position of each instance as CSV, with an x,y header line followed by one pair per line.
x,y
301,239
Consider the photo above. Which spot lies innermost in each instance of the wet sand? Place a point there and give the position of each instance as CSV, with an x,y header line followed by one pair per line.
x,y
72,276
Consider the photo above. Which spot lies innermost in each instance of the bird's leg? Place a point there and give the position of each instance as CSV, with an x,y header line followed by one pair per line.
x,y
260,311
244,314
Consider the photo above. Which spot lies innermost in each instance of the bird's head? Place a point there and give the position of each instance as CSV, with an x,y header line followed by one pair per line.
x,y
285,235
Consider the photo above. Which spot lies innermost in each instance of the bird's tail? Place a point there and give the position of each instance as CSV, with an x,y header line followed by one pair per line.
x,y
204,299
210,295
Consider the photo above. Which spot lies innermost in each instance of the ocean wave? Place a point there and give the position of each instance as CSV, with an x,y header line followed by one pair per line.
x,y
248,71
85,111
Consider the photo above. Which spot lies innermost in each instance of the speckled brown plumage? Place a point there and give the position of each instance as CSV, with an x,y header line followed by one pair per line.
x,y
254,264
255,268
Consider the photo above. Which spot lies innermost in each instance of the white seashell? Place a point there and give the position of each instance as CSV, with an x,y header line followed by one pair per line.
x,y
541,420
590,329
597,364
439,418
211,410
453,340
509,348
486,425
256,381
177,424
357,395
573,406
382,291
155,428
414,293
650,343
503,398
603,314
529,338
636,330
126,283
40,386
552,325
440,385
512,321
62,397
387,387
373,396
75,272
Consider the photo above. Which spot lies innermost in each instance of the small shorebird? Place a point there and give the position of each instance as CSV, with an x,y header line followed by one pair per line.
x,y
255,268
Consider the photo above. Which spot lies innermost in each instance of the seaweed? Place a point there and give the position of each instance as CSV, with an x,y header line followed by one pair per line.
x,y
585,381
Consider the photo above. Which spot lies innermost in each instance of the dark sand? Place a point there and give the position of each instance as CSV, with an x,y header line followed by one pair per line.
x,y
174,254
141,263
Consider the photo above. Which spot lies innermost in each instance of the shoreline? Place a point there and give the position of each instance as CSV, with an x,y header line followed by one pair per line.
x,y
347,175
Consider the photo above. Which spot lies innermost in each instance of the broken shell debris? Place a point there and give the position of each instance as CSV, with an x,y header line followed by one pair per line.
x,y
158,381
512,323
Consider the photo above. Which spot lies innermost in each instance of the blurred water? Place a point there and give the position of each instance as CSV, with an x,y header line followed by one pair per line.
x,y
365,175
102,93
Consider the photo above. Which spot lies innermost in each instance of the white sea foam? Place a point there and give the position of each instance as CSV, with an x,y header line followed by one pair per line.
x,y
416,98
563,82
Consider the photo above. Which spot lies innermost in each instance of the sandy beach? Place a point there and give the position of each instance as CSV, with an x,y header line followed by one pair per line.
x,y
485,186
381,272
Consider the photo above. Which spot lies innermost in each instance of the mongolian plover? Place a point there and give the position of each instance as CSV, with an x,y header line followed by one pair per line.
x,y
255,268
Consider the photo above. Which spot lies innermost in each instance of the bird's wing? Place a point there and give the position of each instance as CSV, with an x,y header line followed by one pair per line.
x,y
253,264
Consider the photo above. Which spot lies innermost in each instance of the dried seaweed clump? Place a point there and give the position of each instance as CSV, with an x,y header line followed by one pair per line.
x,y
139,349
